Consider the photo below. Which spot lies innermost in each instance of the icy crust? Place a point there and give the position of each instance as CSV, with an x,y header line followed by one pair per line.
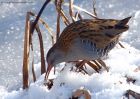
x,y
105,85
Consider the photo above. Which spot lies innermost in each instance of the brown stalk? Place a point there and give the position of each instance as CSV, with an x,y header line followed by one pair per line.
x,y
95,67
132,93
39,14
103,64
71,10
26,53
80,17
31,45
58,27
58,7
33,71
121,45
94,9
97,63
43,67
80,64
64,18
83,10
46,26
76,16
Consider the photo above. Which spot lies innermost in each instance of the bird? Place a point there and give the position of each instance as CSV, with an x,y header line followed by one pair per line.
x,y
86,39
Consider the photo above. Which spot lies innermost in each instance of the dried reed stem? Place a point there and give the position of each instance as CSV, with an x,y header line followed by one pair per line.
x,y
132,93
71,10
46,26
97,63
26,53
39,14
83,10
76,16
95,67
64,18
103,64
43,67
31,45
94,9
33,71
58,6
121,45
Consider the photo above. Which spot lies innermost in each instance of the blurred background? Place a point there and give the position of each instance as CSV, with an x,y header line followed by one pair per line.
x,y
12,24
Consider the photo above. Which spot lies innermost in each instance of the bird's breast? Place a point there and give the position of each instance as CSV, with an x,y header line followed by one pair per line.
x,y
83,49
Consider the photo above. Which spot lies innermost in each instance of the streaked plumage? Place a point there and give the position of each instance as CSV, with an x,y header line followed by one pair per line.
x,y
87,39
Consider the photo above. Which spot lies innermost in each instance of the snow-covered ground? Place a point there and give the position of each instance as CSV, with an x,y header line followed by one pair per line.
x,y
105,85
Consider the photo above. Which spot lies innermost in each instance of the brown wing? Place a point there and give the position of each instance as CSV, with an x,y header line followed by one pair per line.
x,y
84,29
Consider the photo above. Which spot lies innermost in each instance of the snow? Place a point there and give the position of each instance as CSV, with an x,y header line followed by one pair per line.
x,y
122,62
103,85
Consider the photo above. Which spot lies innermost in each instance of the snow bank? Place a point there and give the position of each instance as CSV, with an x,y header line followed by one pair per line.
x,y
104,85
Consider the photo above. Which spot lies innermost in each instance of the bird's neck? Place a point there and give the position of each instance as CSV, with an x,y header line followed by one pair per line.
x,y
58,57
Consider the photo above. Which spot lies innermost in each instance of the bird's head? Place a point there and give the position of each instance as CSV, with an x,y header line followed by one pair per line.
x,y
54,56
114,28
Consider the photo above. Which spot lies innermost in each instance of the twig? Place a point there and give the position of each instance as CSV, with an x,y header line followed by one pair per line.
x,y
39,14
31,45
94,9
76,16
26,53
71,10
103,64
97,63
121,45
58,7
80,17
95,67
132,93
43,67
46,26
33,71
63,16
83,10
80,64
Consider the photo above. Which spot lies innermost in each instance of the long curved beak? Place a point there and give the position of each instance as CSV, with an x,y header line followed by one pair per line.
x,y
49,68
